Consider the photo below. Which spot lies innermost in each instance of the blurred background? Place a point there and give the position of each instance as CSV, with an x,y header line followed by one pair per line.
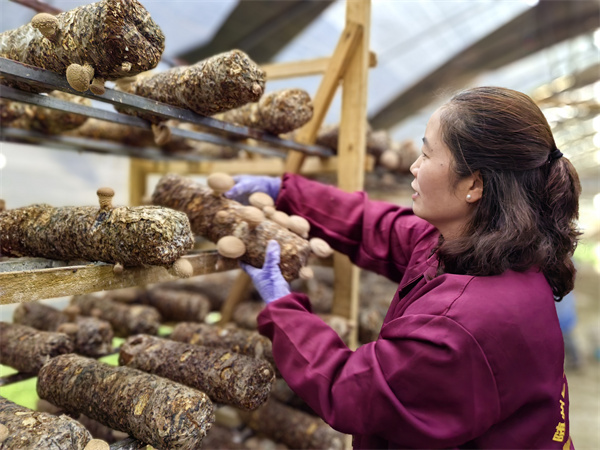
x,y
425,51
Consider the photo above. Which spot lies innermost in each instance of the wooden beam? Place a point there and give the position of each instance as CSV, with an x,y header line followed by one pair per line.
x,y
346,46
313,165
38,284
352,153
308,67
546,24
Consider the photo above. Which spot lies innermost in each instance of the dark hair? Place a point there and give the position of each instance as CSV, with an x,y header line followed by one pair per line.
x,y
526,216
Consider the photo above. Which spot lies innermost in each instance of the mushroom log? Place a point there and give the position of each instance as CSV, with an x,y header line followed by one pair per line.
x,y
152,409
101,41
214,216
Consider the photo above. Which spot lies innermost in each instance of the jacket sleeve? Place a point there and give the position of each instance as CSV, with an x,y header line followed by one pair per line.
x,y
425,383
377,236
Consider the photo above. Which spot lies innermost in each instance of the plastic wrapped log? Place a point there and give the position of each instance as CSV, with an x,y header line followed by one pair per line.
x,y
125,320
246,342
106,40
28,429
27,349
201,204
177,305
131,236
294,428
128,444
90,336
216,84
149,408
277,112
225,376
46,120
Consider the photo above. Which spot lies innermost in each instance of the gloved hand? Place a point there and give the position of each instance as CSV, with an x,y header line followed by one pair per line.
x,y
269,281
246,185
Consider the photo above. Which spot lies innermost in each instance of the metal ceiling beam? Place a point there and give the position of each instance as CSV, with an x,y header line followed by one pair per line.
x,y
261,28
544,25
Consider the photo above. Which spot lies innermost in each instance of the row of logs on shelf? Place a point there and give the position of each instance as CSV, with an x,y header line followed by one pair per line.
x,y
161,235
203,384
228,86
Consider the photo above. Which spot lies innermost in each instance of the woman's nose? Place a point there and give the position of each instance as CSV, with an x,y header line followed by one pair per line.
x,y
415,166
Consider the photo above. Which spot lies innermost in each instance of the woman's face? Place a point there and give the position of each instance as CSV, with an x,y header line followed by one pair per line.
x,y
437,198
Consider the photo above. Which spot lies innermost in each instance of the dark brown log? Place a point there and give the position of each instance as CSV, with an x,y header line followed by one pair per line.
x,y
44,120
214,286
28,429
90,336
125,320
225,376
277,112
202,205
117,38
246,342
132,236
284,394
40,316
219,83
149,408
245,314
294,428
222,438
131,136
174,305
27,349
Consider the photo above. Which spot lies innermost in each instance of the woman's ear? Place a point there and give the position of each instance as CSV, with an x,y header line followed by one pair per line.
x,y
475,191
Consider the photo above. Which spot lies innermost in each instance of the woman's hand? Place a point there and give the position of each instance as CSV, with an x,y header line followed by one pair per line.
x,y
269,281
246,185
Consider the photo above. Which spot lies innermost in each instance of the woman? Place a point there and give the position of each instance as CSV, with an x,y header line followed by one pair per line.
x,y
470,354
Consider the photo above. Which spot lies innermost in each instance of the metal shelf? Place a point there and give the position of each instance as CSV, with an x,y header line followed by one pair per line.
x,y
220,132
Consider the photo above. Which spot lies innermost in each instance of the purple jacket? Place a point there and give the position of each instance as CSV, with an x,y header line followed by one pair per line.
x,y
460,362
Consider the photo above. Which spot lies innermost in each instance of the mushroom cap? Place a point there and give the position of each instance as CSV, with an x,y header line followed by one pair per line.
x,y
79,77
105,192
183,268
162,133
221,216
231,247
46,23
269,211
320,247
299,225
118,269
68,328
280,218
306,273
220,182
389,159
3,432
260,200
252,215
72,310
97,444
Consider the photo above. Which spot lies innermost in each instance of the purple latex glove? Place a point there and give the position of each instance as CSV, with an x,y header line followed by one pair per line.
x,y
269,281
246,185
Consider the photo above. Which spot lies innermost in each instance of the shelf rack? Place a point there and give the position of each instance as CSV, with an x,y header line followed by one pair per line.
x,y
348,66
